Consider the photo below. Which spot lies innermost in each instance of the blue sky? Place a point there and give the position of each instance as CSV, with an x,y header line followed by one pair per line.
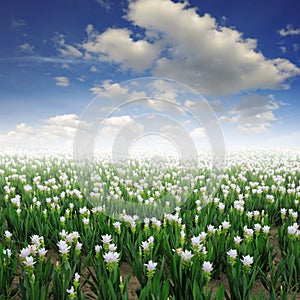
x,y
242,56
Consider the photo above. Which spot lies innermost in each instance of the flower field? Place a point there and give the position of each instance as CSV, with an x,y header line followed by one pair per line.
x,y
57,241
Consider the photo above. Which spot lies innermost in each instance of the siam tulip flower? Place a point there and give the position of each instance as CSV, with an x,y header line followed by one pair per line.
x,y
111,259
221,206
292,230
247,262
250,215
112,247
7,252
186,257
207,269
29,262
85,222
106,239
37,241
71,292
63,234
257,228
78,247
64,249
7,235
294,215
145,246
97,250
211,230
237,241
117,226
256,214
25,252
76,280
248,232
225,225
232,253
266,230
42,252
151,266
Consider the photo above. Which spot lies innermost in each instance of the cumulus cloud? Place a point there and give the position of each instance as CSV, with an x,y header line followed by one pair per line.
x,y
55,131
62,81
175,41
26,47
216,60
65,49
117,45
106,4
197,133
253,115
289,30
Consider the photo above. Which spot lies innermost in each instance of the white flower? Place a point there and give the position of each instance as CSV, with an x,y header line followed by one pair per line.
x,y
106,239
111,257
78,246
145,246
76,277
195,240
266,229
232,253
117,226
293,229
25,252
36,240
151,240
221,206
211,229
151,266
225,225
7,234
29,262
112,247
63,234
207,267
237,240
186,255
7,252
71,292
86,221
250,214
257,227
247,261
63,247
42,252
98,248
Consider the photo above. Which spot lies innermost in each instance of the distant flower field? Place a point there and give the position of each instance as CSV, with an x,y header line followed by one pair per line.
x,y
58,240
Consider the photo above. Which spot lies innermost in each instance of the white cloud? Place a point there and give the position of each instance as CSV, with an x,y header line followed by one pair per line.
x,y
283,49
213,59
65,49
116,91
113,125
18,23
62,81
289,30
54,131
253,115
117,45
197,133
93,69
26,47
105,3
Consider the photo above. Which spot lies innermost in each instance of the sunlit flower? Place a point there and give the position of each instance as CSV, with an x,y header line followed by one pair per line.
x,y
247,261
